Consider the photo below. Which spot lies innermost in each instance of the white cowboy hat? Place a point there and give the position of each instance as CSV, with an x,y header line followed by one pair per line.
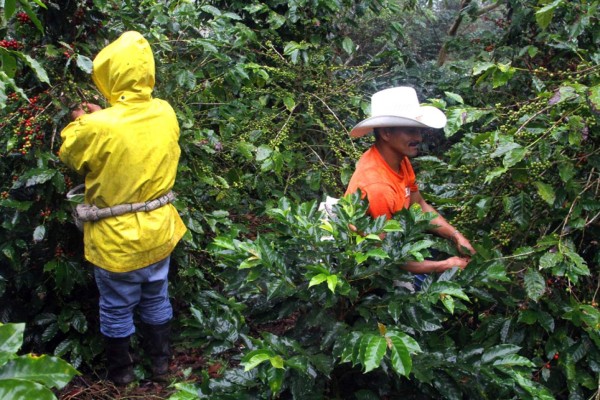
x,y
399,106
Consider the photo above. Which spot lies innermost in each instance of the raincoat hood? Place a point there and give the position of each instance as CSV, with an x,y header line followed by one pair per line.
x,y
124,70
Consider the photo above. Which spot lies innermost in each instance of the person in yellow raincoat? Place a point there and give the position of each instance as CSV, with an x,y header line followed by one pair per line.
x,y
128,154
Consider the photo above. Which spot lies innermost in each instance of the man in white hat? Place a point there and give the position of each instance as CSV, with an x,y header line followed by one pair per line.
x,y
385,175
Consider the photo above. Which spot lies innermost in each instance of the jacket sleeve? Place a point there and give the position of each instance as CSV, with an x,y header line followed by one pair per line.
x,y
77,142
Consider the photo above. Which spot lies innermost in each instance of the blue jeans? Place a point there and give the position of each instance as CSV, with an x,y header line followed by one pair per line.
x,y
121,293
418,280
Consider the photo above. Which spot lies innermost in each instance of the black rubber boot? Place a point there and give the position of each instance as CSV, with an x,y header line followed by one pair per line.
x,y
118,360
155,339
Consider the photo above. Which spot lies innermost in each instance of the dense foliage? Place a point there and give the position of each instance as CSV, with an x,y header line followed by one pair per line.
x,y
265,92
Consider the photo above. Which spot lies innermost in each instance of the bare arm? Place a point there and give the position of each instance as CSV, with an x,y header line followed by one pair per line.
x,y
429,266
442,227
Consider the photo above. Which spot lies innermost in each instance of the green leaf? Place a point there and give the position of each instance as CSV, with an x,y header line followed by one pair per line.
x,y
546,192
84,63
544,15
332,281
513,156
39,71
275,20
535,285
372,350
275,378
318,279
514,360
211,10
22,389
277,362
448,302
348,45
594,98
289,103
39,233
11,339
498,351
550,259
263,152
49,371
400,357
10,7
255,357
456,97
519,207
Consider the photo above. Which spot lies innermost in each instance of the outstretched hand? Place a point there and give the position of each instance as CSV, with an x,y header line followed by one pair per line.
x,y
84,108
460,262
463,245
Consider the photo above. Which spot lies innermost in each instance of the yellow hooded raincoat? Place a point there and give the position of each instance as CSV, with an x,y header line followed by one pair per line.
x,y
128,154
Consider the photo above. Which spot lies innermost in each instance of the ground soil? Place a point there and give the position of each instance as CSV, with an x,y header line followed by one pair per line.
x,y
93,386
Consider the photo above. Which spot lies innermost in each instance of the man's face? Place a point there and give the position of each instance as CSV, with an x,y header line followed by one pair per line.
x,y
405,141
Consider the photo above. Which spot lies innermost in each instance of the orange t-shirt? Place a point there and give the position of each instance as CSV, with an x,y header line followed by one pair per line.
x,y
388,191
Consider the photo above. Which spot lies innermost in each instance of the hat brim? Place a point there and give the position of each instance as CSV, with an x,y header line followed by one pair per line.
x,y
431,117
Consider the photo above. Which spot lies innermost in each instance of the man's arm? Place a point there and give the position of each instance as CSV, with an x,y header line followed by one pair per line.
x,y
430,266
442,227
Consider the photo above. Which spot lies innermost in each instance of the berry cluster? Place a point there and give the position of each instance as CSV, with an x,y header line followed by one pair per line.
x,y
27,123
23,18
10,44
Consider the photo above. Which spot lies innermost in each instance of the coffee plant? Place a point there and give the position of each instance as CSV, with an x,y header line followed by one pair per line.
x,y
265,92
29,376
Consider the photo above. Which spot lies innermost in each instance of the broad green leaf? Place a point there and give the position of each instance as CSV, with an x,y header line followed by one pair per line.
x,y
456,97
34,177
11,339
275,20
392,225
39,71
211,10
505,148
482,67
566,171
254,358
495,173
10,7
23,389
275,378
513,156
277,362
498,351
289,103
372,350
544,15
84,63
519,208
9,65
49,371
535,285
318,279
250,262
514,359
348,45
546,192
263,152
448,302
594,98
39,233
332,281
400,357
550,259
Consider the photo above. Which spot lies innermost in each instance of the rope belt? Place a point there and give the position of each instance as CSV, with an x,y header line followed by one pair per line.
x,y
87,212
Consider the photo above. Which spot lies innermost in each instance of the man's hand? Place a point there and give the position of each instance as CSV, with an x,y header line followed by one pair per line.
x,y
462,244
84,108
460,262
